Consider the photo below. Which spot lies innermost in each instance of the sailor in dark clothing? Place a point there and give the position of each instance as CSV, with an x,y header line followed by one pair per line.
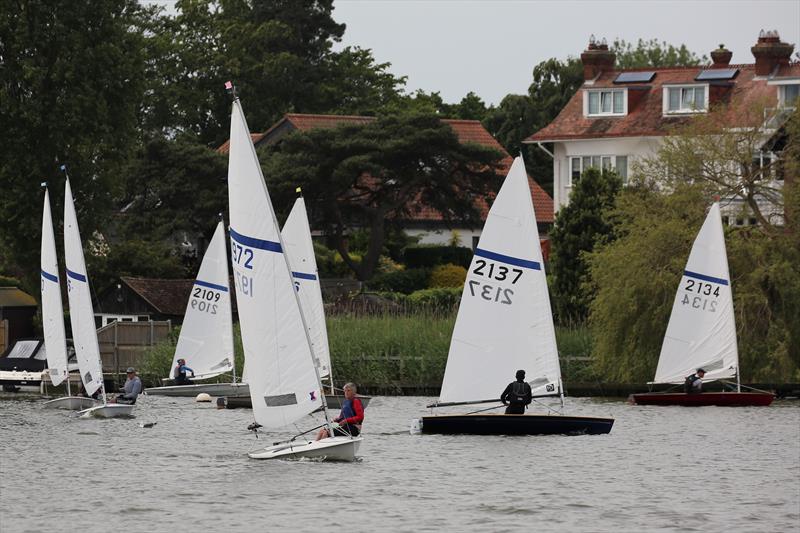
x,y
517,395
349,421
180,373
694,383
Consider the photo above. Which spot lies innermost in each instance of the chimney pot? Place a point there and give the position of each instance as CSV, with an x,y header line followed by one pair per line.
x,y
770,52
597,58
721,57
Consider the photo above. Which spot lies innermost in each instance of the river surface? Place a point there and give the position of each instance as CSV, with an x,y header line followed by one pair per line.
x,y
660,469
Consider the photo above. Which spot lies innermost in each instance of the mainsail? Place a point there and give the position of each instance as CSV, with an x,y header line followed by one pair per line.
x,y
55,341
279,367
206,339
702,329
504,321
81,314
296,235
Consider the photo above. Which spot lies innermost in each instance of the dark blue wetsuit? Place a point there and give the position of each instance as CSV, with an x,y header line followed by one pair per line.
x,y
350,418
180,375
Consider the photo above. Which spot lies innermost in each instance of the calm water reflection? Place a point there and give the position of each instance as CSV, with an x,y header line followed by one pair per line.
x,y
660,469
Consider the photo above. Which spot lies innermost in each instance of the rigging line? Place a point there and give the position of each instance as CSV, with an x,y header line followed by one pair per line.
x,y
745,386
548,407
486,409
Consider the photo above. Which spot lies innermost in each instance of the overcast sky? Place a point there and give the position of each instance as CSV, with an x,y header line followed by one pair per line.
x,y
491,46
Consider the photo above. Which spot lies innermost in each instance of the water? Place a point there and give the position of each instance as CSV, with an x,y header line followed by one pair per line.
x,y
660,469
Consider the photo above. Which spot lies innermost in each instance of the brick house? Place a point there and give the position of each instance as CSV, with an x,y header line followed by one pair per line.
x,y
426,223
620,116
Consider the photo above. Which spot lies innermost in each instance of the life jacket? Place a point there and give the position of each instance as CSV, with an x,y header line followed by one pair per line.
x,y
519,392
177,373
688,385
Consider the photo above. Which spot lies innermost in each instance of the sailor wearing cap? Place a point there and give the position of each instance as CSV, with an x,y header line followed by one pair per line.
x,y
132,388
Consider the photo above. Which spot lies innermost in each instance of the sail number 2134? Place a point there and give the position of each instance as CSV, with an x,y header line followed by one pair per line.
x,y
701,295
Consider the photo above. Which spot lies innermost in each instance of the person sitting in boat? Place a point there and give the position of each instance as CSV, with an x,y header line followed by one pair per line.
x,y
517,396
180,373
350,418
132,388
694,383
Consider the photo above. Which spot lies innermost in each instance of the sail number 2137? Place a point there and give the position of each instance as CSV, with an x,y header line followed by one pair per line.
x,y
491,292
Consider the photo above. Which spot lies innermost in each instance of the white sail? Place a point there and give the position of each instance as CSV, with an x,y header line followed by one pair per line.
x,y
702,329
206,339
279,367
81,314
504,321
296,235
55,340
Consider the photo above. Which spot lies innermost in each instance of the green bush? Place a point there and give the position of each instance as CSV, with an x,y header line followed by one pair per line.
x,y
440,298
405,281
448,276
430,256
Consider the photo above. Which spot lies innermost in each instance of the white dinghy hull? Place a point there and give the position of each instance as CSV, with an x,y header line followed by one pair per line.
x,y
329,449
73,403
109,410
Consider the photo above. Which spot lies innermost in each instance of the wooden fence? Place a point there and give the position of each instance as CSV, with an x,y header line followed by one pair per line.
x,y
124,344
3,335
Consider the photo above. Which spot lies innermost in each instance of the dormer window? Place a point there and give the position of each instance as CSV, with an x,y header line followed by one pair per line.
x,y
685,99
602,102
788,95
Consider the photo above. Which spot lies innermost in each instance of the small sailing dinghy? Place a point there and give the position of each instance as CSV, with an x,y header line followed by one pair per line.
x,y
206,338
702,329
55,340
296,235
504,323
280,369
81,316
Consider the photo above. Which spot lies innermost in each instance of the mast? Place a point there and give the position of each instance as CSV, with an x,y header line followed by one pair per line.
x,y
230,302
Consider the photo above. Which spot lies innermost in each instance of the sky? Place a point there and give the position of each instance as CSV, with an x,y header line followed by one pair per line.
x,y
490,47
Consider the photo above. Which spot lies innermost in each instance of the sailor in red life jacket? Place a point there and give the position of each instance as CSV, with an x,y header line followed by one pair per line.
x,y
350,418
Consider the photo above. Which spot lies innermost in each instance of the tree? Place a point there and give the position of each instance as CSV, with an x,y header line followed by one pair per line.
x,y
636,275
653,54
722,150
367,176
71,84
579,227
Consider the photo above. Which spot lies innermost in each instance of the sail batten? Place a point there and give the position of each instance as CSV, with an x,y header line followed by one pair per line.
x,y
702,331
504,322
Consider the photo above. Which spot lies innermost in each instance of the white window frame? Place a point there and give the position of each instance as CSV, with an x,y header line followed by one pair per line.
x,y
782,94
601,159
683,111
611,91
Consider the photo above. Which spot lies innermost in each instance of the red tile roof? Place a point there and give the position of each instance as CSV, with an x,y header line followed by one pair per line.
x,y
226,146
466,130
645,114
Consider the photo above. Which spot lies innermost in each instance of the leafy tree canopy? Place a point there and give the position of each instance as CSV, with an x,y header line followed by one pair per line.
x,y
653,53
365,175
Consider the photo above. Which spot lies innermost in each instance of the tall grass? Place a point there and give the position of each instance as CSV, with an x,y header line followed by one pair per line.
x,y
405,347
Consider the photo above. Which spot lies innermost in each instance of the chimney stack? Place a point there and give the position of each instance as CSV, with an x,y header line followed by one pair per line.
x,y
596,59
721,57
770,52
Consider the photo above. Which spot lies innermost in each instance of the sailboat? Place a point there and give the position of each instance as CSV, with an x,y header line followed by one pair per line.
x,y
81,315
280,369
206,338
702,329
504,323
55,340
299,250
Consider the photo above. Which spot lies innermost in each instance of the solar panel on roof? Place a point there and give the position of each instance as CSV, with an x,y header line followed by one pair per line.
x,y
635,77
717,74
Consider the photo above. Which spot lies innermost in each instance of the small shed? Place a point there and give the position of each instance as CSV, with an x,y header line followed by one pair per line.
x,y
141,299
17,309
